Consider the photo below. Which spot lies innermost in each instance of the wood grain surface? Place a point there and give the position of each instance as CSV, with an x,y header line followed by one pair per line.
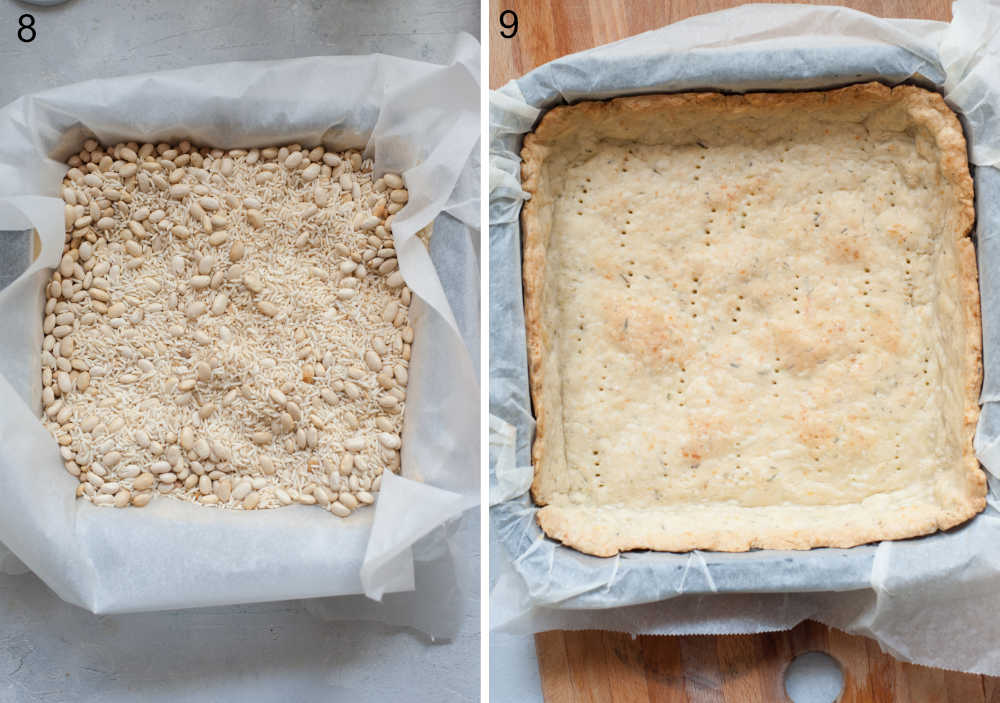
x,y
548,29
607,667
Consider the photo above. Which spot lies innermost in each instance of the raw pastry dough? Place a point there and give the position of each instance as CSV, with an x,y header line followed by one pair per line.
x,y
753,321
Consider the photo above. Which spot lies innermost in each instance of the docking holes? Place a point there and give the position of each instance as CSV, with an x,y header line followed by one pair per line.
x,y
680,386
694,295
624,229
581,199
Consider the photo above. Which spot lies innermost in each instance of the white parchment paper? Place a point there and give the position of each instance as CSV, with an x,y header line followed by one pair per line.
x,y
933,600
413,117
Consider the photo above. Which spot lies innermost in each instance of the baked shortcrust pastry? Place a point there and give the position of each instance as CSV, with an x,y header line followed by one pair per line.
x,y
753,320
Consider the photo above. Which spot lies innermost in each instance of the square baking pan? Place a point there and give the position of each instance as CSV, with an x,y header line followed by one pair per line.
x,y
554,575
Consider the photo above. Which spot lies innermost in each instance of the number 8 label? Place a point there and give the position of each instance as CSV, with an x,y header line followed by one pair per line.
x,y
26,28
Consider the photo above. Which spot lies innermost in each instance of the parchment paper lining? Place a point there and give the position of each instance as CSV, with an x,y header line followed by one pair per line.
x,y
910,595
417,118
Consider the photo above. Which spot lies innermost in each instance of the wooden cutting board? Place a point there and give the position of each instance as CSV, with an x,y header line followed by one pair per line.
x,y
608,667
599,667
548,29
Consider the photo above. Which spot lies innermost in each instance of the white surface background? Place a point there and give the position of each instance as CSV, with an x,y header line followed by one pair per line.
x,y
53,651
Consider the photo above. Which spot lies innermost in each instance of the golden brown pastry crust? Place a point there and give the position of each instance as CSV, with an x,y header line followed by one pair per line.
x,y
605,530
